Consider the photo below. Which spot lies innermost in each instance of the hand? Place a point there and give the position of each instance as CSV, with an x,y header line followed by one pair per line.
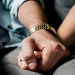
x,y
52,51
23,64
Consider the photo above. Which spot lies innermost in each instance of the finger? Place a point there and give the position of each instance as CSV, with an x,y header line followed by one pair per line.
x,y
28,47
67,53
38,54
19,56
48,56
21,64
66,57
59,56
18,61
62,53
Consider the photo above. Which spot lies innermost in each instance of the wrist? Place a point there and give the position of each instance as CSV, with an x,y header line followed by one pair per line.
x,y
44,26
31,26
41,35
41,32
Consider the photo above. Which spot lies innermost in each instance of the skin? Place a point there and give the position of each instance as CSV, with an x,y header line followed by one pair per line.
x,y
66,31
41,44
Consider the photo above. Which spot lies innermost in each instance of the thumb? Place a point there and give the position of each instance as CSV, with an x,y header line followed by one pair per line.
x,y
38,54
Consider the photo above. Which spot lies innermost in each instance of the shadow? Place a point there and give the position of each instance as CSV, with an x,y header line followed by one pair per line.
x,y
51,14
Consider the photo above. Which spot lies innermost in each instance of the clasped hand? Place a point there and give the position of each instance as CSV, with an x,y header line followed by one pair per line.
x,y
41,51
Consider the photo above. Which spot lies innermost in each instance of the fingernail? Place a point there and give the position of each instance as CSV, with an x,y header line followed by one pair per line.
x,y
32,65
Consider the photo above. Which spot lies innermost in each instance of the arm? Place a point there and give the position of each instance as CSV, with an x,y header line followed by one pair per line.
x,y
66,31
31,14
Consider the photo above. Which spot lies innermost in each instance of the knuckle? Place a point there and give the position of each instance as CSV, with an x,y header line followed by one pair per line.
x,y
20,53
22,67
63,52
25,40
68,53
46,52
55,46
27,56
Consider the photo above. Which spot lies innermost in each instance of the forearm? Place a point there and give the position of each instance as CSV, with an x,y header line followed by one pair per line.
x,y
66,31
31,14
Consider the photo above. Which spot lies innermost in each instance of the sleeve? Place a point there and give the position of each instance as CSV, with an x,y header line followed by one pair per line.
x,y
13,6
